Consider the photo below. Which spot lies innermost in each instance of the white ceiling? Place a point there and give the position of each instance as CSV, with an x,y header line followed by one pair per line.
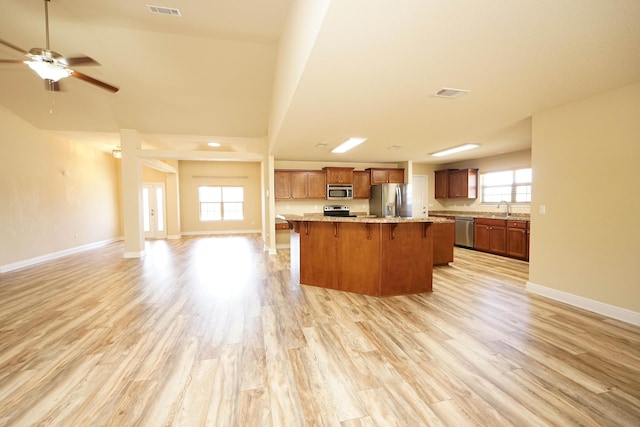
x,y
209,75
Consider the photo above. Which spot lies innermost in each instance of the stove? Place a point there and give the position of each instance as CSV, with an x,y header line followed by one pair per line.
x,y
337,210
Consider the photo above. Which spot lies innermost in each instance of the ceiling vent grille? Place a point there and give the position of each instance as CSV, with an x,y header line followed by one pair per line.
x,y
161,10
450,93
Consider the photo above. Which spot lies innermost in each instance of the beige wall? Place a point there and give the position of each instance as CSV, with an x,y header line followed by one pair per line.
x,y
516,160
41,209
585,162
192,174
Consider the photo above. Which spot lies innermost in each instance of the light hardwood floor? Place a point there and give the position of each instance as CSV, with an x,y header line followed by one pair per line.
x,y
212,331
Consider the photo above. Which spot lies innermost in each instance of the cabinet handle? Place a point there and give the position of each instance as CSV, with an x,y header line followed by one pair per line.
x,y
306,228
335,229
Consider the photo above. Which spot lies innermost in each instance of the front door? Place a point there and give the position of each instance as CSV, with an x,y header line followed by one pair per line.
x,y
420,199
153,211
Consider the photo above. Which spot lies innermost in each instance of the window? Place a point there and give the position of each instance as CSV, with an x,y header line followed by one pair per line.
x,y
512,186
221,203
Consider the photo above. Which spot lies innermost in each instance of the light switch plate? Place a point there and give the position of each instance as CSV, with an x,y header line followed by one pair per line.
x,y
542,209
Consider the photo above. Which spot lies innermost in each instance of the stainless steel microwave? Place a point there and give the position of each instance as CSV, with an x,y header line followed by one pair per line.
x,y
339,192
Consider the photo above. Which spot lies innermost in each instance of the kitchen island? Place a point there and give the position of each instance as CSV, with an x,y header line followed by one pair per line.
x,y
365,255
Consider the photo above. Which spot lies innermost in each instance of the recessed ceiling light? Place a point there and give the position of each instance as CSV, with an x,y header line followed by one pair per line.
x,y
453,150
447,92
348,145
322,144
395,147
213,144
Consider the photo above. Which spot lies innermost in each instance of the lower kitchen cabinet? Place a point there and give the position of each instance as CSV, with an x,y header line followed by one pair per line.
x,y
518,239
490,235
502,237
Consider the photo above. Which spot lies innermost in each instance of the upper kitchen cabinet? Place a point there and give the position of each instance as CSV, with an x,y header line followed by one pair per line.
x,y
300,184
442,184
456,183
361,185
386,176
339,175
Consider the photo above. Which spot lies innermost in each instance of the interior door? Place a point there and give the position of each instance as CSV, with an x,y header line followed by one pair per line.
x,y
153,211
420,196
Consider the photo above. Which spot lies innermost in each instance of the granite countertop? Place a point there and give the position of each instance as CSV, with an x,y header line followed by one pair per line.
x,y
360,219
488,215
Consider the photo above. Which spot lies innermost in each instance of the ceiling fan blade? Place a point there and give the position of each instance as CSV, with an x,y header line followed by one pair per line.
x,y
11,61
13,46
80,60
51,86
96,82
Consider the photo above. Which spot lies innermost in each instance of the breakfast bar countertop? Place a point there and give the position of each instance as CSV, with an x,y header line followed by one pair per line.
x,y
361,219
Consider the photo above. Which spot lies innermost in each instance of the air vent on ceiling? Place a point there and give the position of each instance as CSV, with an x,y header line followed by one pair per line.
x,y
161,10
447,92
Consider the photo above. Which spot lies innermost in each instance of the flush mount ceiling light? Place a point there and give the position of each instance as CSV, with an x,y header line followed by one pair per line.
x,y
213,144
453,150
447,92
348,145
117,153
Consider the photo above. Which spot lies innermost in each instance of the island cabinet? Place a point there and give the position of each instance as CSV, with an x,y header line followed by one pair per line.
x,y
300,184
379,259
456,183
443,242
361,185
386,176
518,239
339,175
490,235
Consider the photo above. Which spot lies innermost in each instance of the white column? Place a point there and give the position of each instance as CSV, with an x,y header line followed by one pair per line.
x,y
131,194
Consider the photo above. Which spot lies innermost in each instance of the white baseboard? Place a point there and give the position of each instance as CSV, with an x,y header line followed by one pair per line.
x,y
48,257
174,236
586,303
210,233
136,254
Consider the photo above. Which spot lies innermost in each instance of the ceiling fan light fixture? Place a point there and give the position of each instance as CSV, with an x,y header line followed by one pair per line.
x,y
48,70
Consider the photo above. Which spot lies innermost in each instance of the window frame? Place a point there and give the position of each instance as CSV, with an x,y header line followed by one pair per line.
x,y
514,187
221,202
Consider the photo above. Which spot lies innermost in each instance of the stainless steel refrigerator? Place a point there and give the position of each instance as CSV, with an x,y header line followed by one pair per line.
x,y
390,200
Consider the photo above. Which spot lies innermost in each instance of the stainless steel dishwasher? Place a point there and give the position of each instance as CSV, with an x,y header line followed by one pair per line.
x,y
464,231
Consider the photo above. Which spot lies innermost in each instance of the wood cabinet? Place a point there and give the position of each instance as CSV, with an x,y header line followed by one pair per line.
x,y
361,185
518,239
282,185
385,176
367,258
339,175
502,237
456,183
442,184
490,235
443,242
300,184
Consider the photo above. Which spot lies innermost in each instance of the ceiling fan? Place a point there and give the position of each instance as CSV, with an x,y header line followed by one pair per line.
x,y
51,66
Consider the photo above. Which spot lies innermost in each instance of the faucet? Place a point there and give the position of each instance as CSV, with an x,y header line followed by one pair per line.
x,y
508,212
